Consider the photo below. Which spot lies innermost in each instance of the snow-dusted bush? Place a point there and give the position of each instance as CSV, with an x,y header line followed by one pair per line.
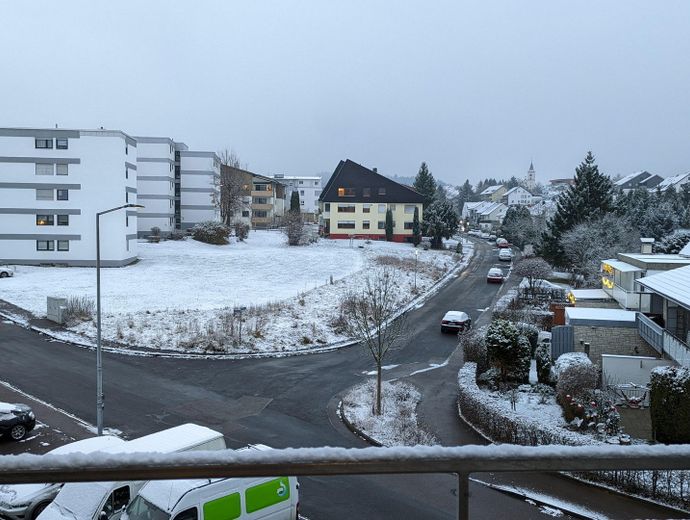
x,y
544,363
674,242
670,404
531,332
211,232
474,348
241,231
508,351
78,308
577,376
177,234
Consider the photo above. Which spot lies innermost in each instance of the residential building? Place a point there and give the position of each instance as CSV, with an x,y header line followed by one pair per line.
x,y
268,202
199,187
493,193
485,214
642,179
517,196
565,182
675,182
309,189
157,174
52,184
620,275
355,200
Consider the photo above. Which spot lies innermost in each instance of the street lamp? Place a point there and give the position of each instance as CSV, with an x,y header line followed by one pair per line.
x,y
99,359
416,257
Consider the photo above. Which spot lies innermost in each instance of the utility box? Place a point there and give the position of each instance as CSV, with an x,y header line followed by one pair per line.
x,y
56,309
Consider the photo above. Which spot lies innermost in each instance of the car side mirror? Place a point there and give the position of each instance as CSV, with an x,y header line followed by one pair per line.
x,y
103,515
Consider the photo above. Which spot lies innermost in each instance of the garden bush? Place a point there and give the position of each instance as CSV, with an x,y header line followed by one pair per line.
x,y
670,404
544,363
531,332
577,376
509,351
241,231
77,309
474,348
177,234
211,232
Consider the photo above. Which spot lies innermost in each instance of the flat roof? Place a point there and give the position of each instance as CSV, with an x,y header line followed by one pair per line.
x,y
622,266
590,294
658,258
600,317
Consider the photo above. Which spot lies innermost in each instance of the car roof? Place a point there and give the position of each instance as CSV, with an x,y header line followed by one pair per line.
x,y
495,270
456,314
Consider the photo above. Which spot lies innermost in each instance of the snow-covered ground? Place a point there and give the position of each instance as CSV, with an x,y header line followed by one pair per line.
x,y
397,425
181,294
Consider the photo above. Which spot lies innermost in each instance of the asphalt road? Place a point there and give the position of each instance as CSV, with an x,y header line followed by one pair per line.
x,y
290,402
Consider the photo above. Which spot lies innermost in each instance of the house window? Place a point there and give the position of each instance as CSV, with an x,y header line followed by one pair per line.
x,y
126,196
392,207
382,208
45,220
260,200
382,191
44,169
346,192
301,203
366,208
61,144
126,221
327,206
409,208
61,169
245,213
126,173
346,208
63,245
44,143
316,183
44,194
382,224
366,224
63,220
261,213
62,194
346,224
301,192
409,225
366,192
126,150
301,182
261,187
45,245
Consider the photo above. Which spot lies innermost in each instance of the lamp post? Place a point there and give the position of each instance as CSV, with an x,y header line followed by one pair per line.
x,y
416,257
99,359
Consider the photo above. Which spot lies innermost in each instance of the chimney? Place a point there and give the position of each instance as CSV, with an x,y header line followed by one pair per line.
x,y
374,170
647,245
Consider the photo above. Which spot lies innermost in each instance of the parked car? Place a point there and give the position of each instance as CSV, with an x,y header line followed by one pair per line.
x,y
491,237
495,275
27,501
16,420
505,255
502,242
484,235
455,321
6,271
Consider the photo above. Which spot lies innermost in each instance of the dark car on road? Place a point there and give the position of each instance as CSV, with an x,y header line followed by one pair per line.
x,y
16,420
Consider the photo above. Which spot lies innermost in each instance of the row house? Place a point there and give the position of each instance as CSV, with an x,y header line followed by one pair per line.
x,y
637,180
355,201
486,215
52,184
675,182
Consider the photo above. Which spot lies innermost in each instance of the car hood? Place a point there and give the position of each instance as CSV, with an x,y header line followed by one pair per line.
x,y
12,494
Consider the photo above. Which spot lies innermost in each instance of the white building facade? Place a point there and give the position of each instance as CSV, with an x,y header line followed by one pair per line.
x,y
199,187
52,183
517,196
309,189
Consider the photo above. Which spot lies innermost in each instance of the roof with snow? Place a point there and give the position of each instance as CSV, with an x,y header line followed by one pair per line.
x,y
600,317
685,252
515,189
492,208
673,285
623,267
589,294
673,181
491,189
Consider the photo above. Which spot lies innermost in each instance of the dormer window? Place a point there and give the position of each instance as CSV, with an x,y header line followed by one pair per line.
x,y
346,192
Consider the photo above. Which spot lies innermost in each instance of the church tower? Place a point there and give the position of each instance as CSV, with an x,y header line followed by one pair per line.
x,y
531,182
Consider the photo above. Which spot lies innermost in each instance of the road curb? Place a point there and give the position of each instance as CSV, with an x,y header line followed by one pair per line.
x,y
359,433
169,354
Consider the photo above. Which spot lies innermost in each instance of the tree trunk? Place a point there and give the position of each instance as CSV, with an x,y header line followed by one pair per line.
x,y
377,410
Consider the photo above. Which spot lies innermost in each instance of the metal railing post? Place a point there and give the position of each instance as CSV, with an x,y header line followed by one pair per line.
x,y
463,496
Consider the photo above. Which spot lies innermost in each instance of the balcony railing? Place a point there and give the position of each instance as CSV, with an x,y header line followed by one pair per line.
x,y
663,341
461,461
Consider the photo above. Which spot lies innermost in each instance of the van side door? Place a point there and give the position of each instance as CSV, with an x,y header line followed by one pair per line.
x,y
115,504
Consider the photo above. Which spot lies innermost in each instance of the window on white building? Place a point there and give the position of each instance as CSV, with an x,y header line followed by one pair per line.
x,y
44,143
366,224
409,208
346,224
62,194
63,245
63,220
45,245
382,224
45,220
42,194
61,169
44,169
366,208
382,208
301,192
61,144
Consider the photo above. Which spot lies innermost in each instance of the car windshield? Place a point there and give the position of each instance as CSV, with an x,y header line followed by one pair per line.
x,y
142,509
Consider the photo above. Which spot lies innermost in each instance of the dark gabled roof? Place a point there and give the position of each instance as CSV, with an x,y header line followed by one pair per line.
x,y
349,174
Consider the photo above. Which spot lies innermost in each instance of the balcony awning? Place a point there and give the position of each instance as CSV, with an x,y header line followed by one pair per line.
x,y
623,267
673,285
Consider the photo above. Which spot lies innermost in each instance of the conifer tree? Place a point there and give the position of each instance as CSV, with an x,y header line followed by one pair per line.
x,y
416,230
589,198
425,184
294,202
389,226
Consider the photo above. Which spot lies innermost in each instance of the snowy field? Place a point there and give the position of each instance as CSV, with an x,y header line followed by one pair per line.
x,y
181,294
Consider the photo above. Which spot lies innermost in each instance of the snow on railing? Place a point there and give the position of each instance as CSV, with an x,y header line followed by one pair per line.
x,y
463,460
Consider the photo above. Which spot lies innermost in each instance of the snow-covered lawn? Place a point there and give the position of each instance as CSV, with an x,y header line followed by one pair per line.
x,y
181,294
397,425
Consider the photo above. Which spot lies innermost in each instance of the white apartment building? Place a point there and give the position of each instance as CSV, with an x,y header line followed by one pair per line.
x,y
52,184
309,189
199,187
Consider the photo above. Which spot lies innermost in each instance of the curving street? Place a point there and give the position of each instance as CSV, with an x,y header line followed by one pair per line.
x,y
292,401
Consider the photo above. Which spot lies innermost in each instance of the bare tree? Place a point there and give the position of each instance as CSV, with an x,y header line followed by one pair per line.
x,y
534,269
371,319
233,186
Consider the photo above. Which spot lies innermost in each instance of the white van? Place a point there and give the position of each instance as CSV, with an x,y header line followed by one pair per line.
x,y
107,500
26,501
265,498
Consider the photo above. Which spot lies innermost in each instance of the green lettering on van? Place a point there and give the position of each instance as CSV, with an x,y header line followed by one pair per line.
x,y
224,508
267,494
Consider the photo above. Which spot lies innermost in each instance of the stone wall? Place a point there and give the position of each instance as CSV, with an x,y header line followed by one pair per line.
x,y
623,341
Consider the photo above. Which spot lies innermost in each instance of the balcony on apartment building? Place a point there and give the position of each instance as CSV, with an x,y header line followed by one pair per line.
x,y
664,341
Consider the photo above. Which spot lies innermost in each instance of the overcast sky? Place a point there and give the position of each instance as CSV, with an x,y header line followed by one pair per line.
x,y
475,89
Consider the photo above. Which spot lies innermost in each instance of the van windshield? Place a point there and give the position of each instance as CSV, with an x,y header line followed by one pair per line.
x,y
142,509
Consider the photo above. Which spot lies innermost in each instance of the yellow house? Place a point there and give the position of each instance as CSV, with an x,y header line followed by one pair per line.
x,y
355,200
